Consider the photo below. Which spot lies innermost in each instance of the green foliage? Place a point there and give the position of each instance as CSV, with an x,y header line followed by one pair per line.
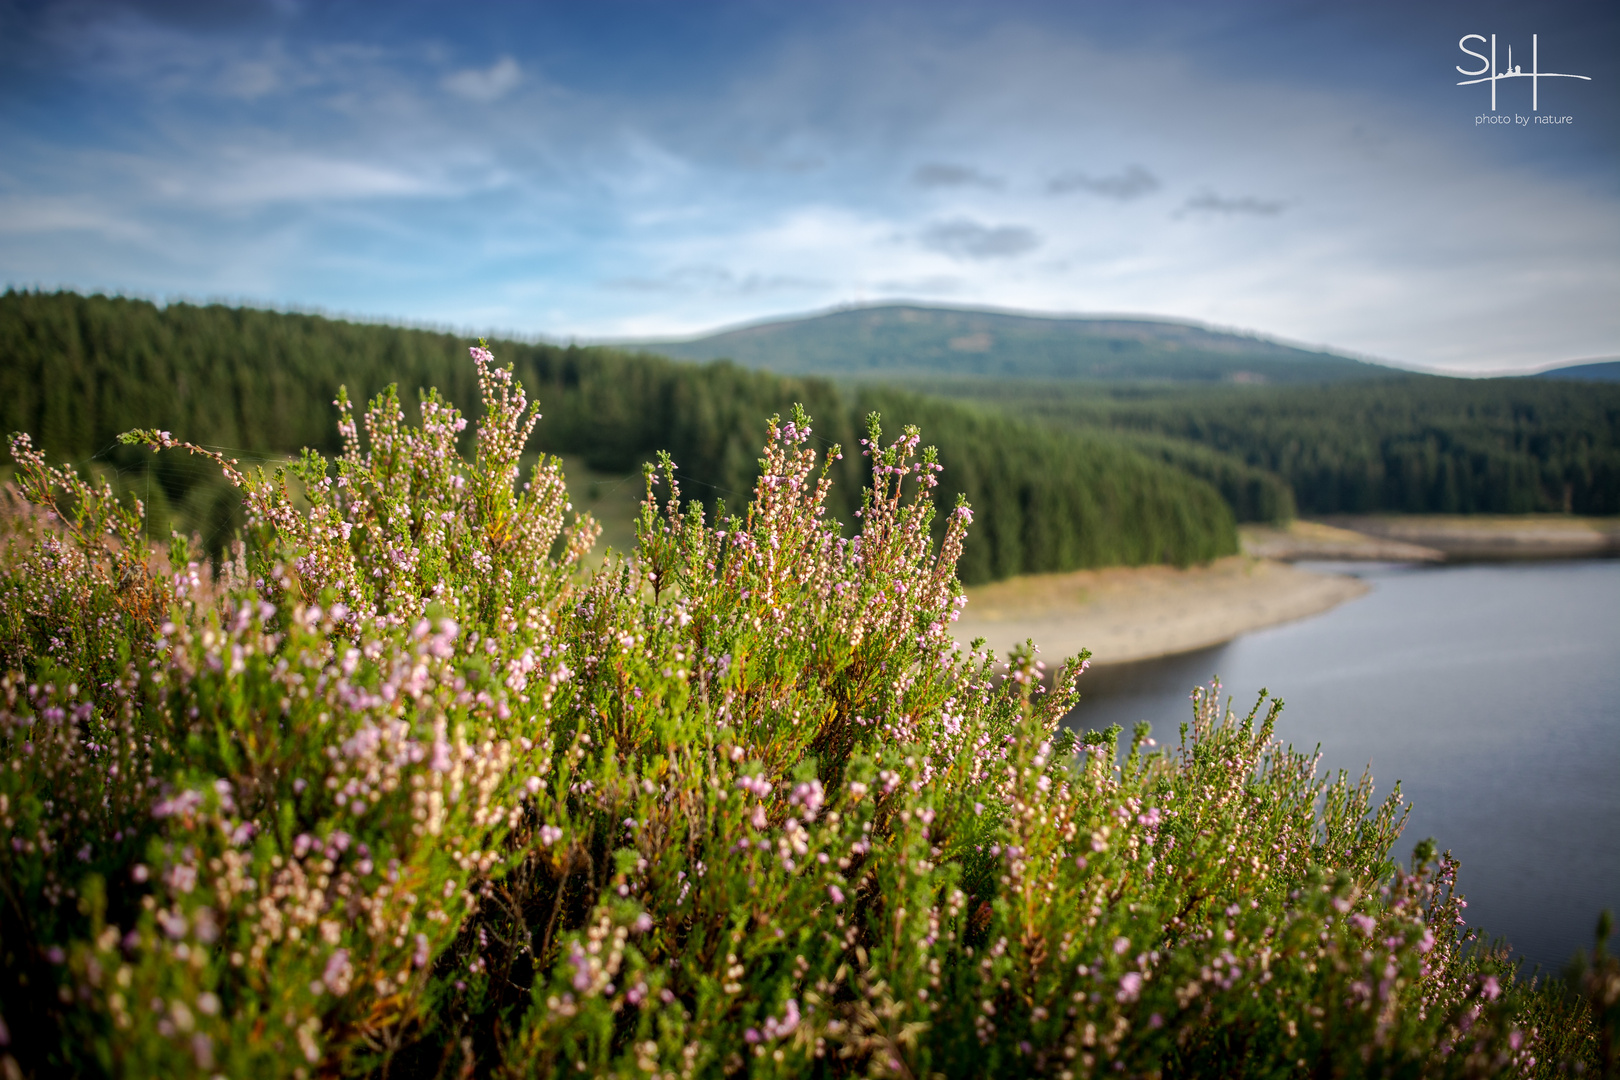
x,y
256,385
1408,444
1593,982
1254,494
1034,516
408,791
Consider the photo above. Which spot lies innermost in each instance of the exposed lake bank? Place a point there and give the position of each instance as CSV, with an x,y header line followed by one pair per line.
x,y
1436,538
1491,537
1129,614
1126,614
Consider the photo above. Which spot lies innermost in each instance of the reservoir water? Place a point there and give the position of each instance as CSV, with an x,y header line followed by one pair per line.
x,y
1490,691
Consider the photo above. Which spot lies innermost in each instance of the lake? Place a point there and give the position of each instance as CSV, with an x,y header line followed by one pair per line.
x,y
1491,691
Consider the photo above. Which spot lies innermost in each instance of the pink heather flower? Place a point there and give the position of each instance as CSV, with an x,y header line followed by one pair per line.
x,y
338,973
441,756
1491,989
582,968
182,803
1130,987
1120,945
836,893
182,878
776,1029
550,834
810,796
420,958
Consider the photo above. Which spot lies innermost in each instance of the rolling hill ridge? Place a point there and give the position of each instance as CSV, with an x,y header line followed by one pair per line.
x,y
910,340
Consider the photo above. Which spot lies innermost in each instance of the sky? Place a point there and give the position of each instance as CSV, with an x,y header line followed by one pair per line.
x,y
596,171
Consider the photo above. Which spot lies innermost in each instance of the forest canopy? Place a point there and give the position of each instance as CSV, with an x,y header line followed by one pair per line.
x,y
80,370
1403,444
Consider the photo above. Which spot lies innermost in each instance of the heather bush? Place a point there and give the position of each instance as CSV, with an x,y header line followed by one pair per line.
x,y
403,788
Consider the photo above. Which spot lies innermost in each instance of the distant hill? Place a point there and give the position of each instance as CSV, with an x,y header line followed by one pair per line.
x,y
1596,371
908,341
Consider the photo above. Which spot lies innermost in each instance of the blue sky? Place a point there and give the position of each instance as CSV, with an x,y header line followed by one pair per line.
x,y
609,170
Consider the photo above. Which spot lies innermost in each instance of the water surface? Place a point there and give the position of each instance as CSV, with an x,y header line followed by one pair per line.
x,y
1491,691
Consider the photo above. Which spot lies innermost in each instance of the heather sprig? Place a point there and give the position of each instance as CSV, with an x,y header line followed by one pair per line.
x,y
400,522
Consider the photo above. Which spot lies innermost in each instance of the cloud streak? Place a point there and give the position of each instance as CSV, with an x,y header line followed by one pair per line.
x,y
941,175
1207,202
1133,183
964,239
714,280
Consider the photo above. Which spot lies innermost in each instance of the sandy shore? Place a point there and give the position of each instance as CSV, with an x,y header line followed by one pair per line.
x,y
1312,540
1495,536
1135,613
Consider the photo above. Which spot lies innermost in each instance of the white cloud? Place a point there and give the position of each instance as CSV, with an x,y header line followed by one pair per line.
x,y
486,85
66,213
250,178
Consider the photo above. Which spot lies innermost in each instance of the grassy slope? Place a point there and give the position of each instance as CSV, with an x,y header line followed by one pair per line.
x,y
904,339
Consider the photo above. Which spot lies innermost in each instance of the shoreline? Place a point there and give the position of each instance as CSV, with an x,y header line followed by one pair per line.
x,y
1490,537
1435,538
1128,614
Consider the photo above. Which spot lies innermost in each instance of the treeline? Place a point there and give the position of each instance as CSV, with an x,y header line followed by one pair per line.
x,y
1046,499
76,371
1254,494
1405,444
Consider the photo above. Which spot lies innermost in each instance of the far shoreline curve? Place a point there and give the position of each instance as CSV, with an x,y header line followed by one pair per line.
x,y
1128,614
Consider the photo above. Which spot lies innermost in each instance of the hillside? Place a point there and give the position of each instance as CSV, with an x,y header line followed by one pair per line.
x,y
907,341
1594,371
1407,444
75,371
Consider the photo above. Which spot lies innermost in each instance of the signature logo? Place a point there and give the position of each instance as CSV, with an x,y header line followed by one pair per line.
x,y
1488,72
